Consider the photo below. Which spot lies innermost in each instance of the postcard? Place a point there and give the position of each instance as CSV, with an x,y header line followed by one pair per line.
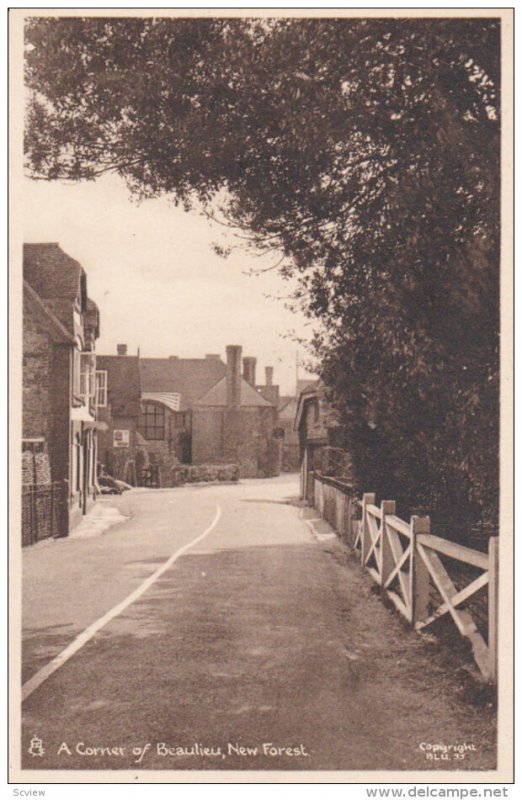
x,y
261,377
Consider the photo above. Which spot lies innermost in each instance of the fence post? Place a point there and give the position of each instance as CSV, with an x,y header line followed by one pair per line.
x,y
348,520
419,575
64,508
34,514
386,557
367,500
52,531
493,607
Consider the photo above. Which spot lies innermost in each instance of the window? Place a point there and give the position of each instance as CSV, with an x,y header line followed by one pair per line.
x,y
151,422
101,387
76,372
84,367
87,369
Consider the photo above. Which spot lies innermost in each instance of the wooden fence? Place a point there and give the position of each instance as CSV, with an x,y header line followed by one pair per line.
x,y
416,569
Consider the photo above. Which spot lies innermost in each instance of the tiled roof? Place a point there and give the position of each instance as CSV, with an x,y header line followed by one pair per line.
x,y
189,377
217,396
51,323
287,407
308,393
56,277
270,394
304,384
284,399
123,384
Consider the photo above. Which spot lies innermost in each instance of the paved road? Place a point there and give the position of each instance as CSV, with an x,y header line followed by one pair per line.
x,y
257,648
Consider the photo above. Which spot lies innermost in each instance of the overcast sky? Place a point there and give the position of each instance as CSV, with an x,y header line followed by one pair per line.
x,y
158,284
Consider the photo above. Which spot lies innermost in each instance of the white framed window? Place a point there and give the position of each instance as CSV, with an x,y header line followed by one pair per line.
x,y
76,372
101,387
87,370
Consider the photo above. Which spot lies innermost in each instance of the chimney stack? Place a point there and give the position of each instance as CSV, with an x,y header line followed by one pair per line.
x,y
233,376
121,349
269,372
249,370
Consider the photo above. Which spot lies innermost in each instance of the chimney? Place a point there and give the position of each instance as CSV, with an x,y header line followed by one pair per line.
x,y
233,376
249,370
121,349
269,372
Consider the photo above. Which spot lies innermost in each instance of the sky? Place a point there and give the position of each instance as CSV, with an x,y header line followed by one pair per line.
x,y
157,281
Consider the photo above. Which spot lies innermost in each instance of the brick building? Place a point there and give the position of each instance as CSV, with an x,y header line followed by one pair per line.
x,y
146,403
234,422
121,451
60,327
163,412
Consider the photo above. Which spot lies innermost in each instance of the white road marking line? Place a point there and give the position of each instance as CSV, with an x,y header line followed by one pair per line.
x,y
33,683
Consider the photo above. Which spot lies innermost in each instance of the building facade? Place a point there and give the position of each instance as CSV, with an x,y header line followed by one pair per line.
x,y
234,423
322,440
165,412
60,328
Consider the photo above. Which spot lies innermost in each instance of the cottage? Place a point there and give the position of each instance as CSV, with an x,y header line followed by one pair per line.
x,y
322,442
60,328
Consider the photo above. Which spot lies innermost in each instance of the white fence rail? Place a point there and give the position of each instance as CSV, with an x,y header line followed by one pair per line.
x,y
412,566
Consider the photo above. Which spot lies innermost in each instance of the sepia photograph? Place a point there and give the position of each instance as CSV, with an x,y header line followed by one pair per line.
x,y
260,478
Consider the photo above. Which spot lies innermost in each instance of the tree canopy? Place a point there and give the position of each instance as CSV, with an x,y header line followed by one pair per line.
x,y
366,151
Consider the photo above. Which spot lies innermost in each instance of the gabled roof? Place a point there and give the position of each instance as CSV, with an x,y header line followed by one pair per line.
x,y
316,392
308,393
57,278
287,407
270,393
123,384
50,271
305,383
46,318
217,396
191,378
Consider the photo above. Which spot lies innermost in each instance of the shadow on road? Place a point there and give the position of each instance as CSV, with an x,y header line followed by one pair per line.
x,y
247,646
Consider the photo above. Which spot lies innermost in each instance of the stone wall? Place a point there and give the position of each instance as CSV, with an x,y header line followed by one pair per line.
x,y
46,393
204,473
37,361
127,463
35,468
